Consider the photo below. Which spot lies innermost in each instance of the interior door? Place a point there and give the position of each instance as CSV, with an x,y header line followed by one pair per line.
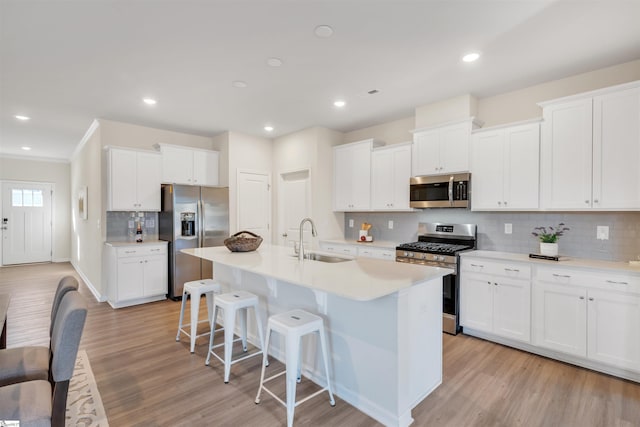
x,y
294,204
254,203
26,222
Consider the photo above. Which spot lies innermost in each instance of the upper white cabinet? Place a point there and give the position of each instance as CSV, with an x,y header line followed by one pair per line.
x,y
134,178
591,150
192,166
505,167
352,175
442,149
390,174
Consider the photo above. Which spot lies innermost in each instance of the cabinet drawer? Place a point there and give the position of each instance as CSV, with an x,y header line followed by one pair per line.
x,y
614,281
131,251
504,268
339,249
379,253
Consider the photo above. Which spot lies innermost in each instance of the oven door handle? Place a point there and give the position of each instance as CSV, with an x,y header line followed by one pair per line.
x,y
451,190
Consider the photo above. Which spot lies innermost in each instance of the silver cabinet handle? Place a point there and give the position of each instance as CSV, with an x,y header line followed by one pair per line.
x,y
155,250
515,270
591,299
129,252
562,275
595,201
581,297
505,203
477,265
586,201
617,283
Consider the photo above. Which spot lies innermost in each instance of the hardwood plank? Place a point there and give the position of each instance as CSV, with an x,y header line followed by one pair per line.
x,y
146,378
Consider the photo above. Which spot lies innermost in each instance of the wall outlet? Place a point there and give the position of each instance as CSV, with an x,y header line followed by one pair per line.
x,y
351,223
390,224
602,232
508,229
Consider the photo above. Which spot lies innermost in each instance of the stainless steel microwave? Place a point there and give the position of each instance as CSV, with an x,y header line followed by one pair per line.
x,y
440,191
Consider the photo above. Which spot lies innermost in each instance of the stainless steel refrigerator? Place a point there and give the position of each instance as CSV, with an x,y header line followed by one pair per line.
x,y
192,217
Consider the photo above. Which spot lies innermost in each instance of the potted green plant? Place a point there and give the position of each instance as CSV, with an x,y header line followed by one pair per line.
x,y
548,237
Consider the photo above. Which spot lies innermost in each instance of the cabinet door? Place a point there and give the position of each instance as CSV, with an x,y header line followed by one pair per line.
x,y
560,318
476,302
155,275
122,180
616,150
613,329
454,148
566,155
205,167
426,153
401,177
342,188
148,173
361,176
487,167
130,278
177,165
382,179
512,309
521,167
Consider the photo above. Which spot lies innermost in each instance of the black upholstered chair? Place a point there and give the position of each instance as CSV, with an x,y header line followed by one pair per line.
x,y
43,402
32,362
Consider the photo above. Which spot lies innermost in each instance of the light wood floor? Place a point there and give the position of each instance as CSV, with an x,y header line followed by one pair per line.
x,y
146,378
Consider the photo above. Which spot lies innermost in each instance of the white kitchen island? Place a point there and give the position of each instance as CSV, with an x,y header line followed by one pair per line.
x,y
383,321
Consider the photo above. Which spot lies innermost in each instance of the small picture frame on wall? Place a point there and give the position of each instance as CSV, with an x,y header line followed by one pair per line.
x,y
82,202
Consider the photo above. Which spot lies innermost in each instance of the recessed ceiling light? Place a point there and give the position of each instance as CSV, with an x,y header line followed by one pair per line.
x,y
149,101
23,118
339,103
323,31
470,57
25,148
274,62
268,128
239,83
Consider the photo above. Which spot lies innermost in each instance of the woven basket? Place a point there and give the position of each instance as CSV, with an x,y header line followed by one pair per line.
x,y
243,241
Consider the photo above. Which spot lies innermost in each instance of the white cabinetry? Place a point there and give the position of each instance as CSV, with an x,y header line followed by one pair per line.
x,y
136,273
359,249
496,298
352,175
442,149
505,167
390,174
192,166
590,315
590,150
133,182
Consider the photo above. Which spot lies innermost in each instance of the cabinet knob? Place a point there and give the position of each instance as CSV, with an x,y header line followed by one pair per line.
x,y
581,297
591,299
586,201
595,201
505,203
499,203
495,284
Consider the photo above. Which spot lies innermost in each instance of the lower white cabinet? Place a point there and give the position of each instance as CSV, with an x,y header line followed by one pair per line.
x,y
498,301
359,249
136,273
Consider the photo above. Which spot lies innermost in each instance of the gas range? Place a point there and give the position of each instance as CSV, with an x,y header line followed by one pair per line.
x,y
438,244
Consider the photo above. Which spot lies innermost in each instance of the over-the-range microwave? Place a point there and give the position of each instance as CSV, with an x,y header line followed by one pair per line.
x,y
440,191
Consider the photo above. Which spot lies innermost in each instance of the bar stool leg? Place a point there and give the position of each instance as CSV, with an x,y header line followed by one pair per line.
x,y
195,310
229,326
184,301
243,327
323,343
265,362
213,331
292,370
212,321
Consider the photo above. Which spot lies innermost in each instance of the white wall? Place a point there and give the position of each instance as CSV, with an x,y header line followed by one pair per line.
x,y
142,137
457,108
393,132
57,173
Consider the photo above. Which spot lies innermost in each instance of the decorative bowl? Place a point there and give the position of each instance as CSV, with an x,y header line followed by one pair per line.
x,y
243,241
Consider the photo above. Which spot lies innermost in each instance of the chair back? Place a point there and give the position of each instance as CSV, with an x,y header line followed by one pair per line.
x,y
65,341
66,284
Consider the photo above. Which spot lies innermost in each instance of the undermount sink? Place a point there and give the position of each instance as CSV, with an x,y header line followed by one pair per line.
x,y
313,256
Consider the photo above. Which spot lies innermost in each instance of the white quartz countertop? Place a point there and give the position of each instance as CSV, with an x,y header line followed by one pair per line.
x,y
146,242
361,279
622,267
383,244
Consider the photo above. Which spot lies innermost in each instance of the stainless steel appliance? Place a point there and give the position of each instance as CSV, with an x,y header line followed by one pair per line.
x,y
439,245
192,217
440,191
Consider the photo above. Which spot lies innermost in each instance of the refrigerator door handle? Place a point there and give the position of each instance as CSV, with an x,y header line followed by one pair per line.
x,y
200,224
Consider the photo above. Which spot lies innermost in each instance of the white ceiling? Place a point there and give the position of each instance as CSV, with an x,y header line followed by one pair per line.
x,y
64,63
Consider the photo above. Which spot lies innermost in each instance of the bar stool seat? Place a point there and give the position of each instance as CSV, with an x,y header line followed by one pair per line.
x,y
293,325
196,289
231,303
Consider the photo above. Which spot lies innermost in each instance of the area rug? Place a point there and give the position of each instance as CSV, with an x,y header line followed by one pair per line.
x,y
84,404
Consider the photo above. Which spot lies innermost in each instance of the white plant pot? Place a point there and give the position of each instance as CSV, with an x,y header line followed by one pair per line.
x,y
549,249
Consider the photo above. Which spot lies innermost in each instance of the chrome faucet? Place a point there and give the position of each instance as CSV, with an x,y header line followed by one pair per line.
x,y
313,233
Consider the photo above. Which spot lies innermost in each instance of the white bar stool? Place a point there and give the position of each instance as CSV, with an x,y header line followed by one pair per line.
x,y
230,303
293,325
197,288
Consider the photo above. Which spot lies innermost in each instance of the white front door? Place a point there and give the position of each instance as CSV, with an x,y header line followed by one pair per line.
x,y
26,222
294,204
254,203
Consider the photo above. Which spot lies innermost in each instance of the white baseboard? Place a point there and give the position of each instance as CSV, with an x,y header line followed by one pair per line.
x,y
92,288
61,260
